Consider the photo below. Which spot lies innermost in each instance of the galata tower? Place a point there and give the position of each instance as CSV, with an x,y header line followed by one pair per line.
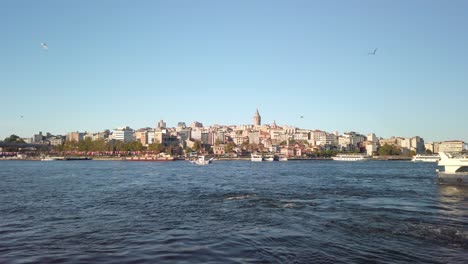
x,y
257,119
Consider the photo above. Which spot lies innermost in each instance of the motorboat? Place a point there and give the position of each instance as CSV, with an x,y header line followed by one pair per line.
x,y
202,160
47,158
455,169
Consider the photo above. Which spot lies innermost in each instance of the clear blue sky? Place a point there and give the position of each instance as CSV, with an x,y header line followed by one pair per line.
x,y
116,63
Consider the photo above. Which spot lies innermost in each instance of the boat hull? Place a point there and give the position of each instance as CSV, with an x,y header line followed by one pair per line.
x,y
453,178
426,158
349,159
149,159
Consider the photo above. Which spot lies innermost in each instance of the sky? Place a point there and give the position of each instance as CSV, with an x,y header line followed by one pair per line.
x,y
132,63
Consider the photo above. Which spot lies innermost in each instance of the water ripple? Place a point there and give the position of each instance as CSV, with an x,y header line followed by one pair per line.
x,y
230,212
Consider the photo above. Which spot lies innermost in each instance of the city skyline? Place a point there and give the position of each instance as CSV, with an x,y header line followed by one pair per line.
x,y
256,125
304,64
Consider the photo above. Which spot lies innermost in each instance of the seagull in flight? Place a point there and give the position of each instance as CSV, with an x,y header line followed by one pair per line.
x,y
44,46
373,53
302,116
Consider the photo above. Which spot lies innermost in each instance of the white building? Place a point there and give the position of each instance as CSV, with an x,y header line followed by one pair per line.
x,y
151,137
301,135
350,140
239,139
451,146
196,133
317,137
56,141
371,147
124,134
372,137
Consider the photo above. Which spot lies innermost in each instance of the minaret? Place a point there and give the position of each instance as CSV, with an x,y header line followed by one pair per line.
x,y
257,119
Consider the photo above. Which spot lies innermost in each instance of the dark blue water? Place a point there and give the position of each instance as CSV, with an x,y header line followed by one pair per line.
x,y
229,212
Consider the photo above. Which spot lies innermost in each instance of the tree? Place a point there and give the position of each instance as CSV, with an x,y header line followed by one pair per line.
x,y
428,151
156,147
116,145
100,145
174,150
14,139
388,150
197,145
85,145
133,146
188,149
245,145
70,145
230,147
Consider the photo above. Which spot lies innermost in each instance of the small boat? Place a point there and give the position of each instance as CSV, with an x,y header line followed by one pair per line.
x,y
282,158
202,160
426,158
455,169
269,158
350,157
256,157
51,158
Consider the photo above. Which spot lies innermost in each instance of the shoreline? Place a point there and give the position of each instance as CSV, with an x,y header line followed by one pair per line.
x,y
377,158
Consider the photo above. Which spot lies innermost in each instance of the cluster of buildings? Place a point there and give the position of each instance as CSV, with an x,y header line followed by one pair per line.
x,y
286,140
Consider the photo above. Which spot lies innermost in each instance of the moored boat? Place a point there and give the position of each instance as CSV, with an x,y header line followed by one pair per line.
x,y
159,157
455,169
350,157
77,158
47,158
256,157
202,160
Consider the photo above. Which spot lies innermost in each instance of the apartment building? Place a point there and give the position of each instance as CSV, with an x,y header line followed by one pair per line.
x,y
124,134
451,146
75,136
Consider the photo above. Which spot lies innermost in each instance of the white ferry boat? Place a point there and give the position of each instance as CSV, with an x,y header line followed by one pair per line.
x,y
256,157
455,169
350,157
426,158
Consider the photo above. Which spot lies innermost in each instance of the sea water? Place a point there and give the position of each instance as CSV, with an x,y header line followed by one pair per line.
x,y
230,212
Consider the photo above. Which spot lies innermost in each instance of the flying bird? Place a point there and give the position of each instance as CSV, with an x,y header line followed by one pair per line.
x,y
373,53
44,46
302,116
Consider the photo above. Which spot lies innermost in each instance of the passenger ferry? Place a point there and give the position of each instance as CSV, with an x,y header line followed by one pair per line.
x,y
350,157
256,157
426,158
455,169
